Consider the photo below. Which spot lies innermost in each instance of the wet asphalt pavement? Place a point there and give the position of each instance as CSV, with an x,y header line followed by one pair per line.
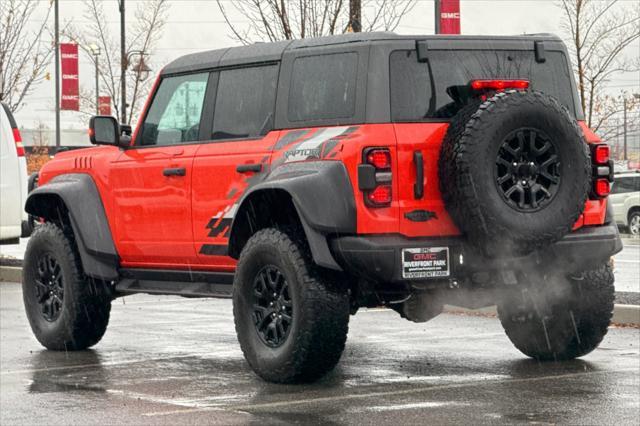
x,y
169,360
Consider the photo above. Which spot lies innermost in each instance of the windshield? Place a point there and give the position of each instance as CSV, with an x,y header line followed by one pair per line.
x,y
436,88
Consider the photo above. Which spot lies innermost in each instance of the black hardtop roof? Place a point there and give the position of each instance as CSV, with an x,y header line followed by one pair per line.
x,y
267,52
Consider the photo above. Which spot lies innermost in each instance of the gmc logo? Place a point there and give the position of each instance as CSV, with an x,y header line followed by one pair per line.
x,y
424,256
450,15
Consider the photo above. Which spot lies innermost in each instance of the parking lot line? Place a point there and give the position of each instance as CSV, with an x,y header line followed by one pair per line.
x,y
279,404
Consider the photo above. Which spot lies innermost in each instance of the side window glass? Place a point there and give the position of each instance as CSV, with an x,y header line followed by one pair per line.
x,y
174,115
323,87
245,102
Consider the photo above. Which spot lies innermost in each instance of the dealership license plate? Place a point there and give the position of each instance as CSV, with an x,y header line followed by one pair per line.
x,y
425,262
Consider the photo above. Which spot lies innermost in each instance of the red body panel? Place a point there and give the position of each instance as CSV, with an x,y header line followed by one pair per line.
x,y
371,220
427,138
595,210
183,222
216,189
153,211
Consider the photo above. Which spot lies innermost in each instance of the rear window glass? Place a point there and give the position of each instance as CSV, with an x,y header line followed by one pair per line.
x,y
435,89
245,102
323,87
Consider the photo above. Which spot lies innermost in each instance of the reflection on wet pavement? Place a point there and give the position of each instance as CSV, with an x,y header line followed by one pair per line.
x,y
175,361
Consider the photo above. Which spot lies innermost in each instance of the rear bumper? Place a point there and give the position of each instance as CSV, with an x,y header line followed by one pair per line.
x,y
378,257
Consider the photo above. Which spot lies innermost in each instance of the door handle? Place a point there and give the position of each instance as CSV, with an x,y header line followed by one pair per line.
x,y
244,168
177,171
418,187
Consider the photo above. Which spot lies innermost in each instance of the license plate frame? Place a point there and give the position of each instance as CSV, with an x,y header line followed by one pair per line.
x,y
425,262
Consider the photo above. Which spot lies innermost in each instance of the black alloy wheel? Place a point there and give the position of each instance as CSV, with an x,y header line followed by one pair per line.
x,y
272,306
527,170
49,287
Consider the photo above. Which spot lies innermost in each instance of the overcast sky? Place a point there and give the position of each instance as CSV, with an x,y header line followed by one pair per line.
x,y
195,25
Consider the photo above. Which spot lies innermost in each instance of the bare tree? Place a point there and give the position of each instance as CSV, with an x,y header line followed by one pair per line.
x,y
273,20
143,35
600,31
24,54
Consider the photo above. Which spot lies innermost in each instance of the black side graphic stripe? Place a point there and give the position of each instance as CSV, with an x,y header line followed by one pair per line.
x,y
217,226
214,249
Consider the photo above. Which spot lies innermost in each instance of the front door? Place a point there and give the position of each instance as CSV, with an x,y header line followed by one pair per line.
x,y
152,179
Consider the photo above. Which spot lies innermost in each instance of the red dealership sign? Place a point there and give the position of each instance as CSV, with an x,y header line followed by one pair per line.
x,y
449,16
70,96
104,105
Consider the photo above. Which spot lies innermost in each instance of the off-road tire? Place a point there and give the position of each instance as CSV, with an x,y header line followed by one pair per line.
x,y
319,327
468,183
634,223
553,324
86,303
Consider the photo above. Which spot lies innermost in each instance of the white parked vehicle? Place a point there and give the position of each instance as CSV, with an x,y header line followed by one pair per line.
x,y
625,199
13,181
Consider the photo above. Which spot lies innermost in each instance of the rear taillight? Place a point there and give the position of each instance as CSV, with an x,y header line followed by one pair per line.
x,y
601,154
602,187
379,158
380,196
18,140
602,170
375,178
498,85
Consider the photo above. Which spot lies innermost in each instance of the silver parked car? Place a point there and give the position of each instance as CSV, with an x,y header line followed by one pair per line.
x,y
625,199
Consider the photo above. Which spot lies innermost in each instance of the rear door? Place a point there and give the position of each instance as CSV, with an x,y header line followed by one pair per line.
x,y
152,180
234,156
426,94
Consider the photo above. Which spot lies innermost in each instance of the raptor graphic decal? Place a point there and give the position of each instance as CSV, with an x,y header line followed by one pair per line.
x,y
295,145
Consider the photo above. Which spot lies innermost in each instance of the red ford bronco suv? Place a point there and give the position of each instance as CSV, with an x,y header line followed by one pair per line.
x,y
308,178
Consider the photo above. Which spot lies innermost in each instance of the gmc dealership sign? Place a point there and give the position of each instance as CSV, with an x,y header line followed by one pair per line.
x,y
449,16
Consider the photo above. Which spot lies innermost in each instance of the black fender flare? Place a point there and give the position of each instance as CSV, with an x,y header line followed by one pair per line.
x,y
80,196
322,195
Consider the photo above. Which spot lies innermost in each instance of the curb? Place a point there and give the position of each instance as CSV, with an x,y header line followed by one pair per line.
x,y
11,274
622,314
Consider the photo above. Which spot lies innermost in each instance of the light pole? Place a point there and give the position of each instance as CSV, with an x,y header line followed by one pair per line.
x,y
95,51
624,102
123,66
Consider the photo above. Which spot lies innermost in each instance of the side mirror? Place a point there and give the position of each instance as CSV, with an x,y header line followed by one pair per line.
x,y
104,130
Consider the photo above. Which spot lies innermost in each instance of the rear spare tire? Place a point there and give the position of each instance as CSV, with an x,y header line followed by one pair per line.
x,y
514,172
